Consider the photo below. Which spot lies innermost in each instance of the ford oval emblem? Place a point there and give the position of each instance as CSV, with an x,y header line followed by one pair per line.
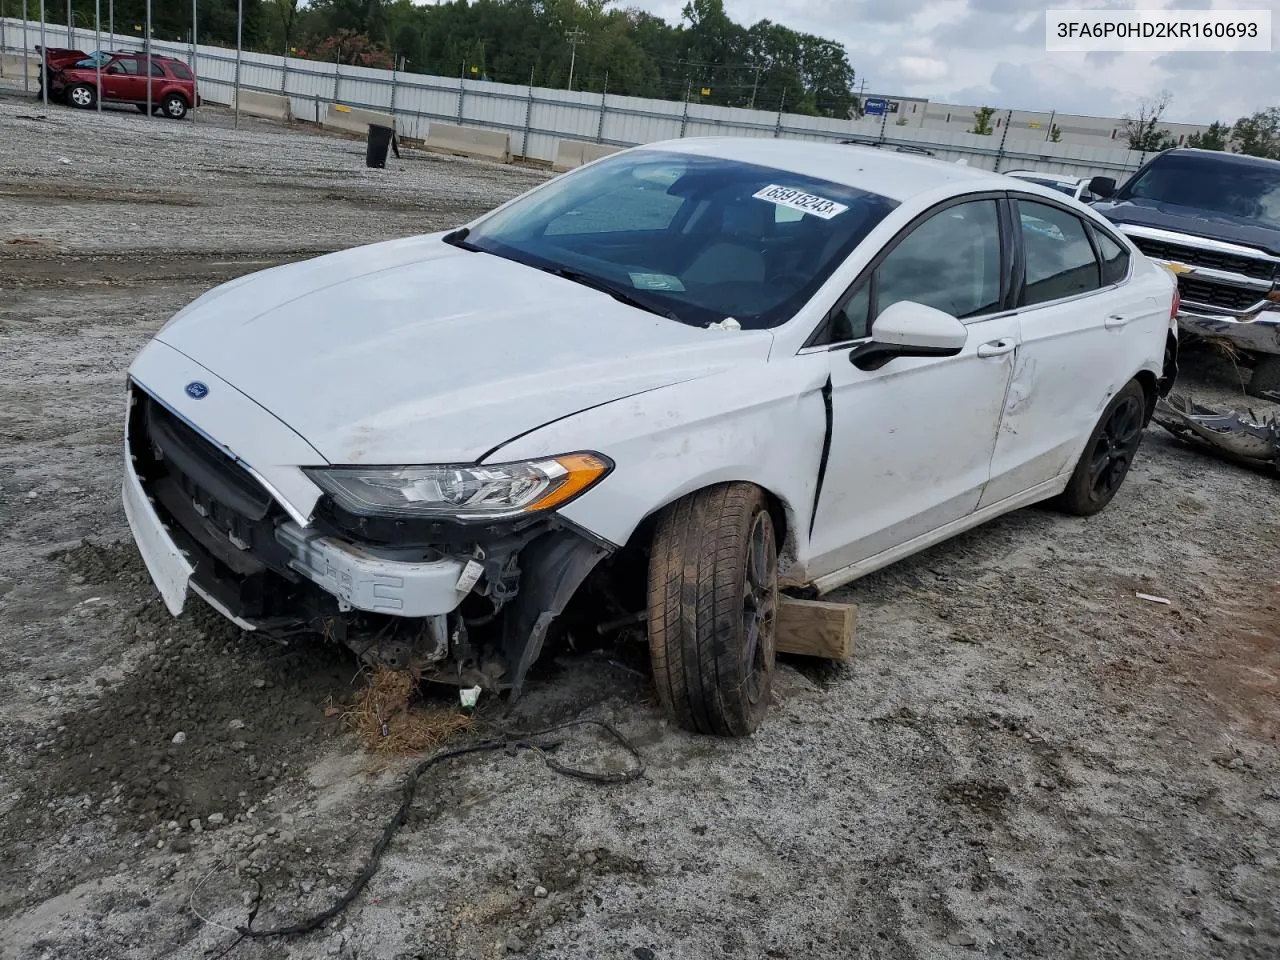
x,y
197,390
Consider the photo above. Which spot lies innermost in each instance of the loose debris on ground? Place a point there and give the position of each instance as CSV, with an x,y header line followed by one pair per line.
x,y
1025,759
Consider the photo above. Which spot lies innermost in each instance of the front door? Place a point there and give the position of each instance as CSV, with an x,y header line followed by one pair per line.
x,y
120,80
911,443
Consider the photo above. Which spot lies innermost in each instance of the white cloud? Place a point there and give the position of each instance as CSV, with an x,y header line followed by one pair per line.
x,y
992,51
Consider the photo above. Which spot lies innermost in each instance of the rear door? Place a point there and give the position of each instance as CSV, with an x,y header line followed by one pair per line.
x,y
1083,330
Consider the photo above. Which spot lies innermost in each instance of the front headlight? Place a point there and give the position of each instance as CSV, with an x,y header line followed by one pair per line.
x,y
459,491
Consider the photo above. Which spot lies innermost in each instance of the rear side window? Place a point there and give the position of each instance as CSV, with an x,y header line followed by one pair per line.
x,y
1115,259
181,71
1059,257
156,69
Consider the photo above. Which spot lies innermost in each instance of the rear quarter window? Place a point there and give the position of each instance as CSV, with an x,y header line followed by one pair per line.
x,y
181,71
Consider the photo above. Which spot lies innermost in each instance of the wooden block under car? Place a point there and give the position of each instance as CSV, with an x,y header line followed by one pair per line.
x,y
815,628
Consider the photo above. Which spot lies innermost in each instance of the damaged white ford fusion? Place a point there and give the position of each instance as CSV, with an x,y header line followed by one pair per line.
x,y
665,381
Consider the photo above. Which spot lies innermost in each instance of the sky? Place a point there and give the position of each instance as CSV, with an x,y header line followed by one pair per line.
x,y
992,52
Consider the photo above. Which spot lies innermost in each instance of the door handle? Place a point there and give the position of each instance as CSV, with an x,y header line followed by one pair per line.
x,y
1117,320
997,348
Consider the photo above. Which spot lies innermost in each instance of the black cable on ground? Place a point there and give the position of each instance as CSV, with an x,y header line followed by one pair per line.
x,y
509,741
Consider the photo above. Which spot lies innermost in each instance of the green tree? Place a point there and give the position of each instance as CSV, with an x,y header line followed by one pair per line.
x,y
1055,134
1258,135
982,121
1214,138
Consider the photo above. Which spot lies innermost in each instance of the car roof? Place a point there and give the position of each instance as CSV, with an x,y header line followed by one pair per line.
x,y
897,176
1041,175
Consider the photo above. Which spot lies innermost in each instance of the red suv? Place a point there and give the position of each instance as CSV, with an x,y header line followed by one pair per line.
x,y
124,80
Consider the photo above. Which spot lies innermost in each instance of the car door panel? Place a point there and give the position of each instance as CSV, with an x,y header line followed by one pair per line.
x,y
912,441
911,446
1075,352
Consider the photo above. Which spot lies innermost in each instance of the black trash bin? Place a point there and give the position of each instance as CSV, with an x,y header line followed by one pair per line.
x,y
380,140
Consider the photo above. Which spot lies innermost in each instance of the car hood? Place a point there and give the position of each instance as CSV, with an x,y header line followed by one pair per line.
x,y
1190,220
414,351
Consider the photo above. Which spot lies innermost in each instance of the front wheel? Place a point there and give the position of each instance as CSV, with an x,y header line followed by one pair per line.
x,y
82,96
1108,454
713,602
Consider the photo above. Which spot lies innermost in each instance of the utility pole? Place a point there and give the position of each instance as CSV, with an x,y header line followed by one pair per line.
x,y
575,36
755,84
71,40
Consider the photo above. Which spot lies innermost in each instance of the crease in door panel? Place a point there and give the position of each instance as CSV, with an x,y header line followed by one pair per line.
x,y
826,451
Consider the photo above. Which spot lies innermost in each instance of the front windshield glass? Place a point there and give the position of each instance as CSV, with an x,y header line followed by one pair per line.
x,y
1229,189
698,239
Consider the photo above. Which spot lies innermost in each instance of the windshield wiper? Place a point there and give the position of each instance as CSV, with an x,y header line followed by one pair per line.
x,y
459,239
619,294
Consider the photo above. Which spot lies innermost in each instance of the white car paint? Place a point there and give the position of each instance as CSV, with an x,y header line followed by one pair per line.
x,y
1077,188
413,352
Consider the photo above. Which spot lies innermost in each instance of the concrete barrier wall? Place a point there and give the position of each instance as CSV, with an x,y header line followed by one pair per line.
x,y
269,105
355,120
574,153
469,141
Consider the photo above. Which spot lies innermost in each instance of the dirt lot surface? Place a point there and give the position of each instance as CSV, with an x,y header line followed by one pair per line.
x,y
1024,760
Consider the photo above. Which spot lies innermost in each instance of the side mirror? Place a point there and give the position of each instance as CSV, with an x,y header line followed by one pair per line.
x,y
909,329
1102,187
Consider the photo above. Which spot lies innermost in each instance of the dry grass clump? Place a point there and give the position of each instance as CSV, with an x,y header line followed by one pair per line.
x,y
388,718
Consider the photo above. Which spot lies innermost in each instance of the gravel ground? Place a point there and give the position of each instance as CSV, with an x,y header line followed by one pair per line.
x,y
1023,760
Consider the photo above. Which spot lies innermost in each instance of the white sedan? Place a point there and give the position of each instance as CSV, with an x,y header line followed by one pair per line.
x,y
662,382
1077,188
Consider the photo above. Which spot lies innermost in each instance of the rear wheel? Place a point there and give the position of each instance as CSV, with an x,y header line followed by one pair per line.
x,y
1108,454
175,107
82,96
713,602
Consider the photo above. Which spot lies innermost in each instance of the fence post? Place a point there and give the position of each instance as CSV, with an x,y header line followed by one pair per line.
x,y
2,38
1003,137
395,65
600,122
782,102
26,58
528,114
337,74
883,118
462,77
684,117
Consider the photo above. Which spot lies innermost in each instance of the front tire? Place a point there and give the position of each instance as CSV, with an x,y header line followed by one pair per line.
x,y
83,96
1108,454
713,602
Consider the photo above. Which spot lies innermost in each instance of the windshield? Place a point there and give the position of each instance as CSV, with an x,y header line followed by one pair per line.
x,y
1230,189
698,239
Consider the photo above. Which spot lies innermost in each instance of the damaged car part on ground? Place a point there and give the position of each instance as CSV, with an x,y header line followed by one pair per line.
x,y
662,384
1252,442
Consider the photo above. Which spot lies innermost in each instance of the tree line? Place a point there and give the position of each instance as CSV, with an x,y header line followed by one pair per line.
x,y
1257,135
705,58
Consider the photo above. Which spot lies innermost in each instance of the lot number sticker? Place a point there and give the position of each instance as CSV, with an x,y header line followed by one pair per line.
x,y
799,200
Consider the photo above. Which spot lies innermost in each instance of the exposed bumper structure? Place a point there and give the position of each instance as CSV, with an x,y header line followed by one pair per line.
x,y
207,524
1228,435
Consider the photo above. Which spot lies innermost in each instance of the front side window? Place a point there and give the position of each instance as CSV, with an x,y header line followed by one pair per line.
x,y
950,262
694,238
1059,257
128,67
